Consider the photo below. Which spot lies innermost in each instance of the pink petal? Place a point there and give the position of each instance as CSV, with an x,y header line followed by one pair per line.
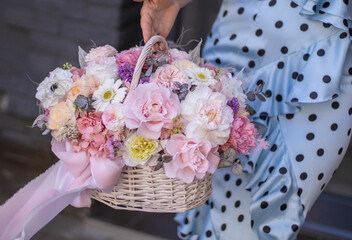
x,y
186,175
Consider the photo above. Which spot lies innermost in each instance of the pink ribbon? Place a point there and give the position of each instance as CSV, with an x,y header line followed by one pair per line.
x,y
69,181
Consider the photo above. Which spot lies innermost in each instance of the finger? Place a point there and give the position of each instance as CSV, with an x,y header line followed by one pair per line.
x,y
147,27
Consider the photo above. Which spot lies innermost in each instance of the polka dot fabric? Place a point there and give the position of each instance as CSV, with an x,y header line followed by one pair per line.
x,y
304,59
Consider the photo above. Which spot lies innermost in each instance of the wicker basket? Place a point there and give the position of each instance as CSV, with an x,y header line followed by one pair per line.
x,y
142,189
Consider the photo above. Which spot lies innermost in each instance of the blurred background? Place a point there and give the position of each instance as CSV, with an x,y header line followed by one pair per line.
x,y
39,35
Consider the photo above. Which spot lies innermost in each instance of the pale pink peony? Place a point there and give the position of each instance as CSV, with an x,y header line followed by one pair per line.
x,y
150,108
242,137
93,139
190,158
175,54
167,75
100,52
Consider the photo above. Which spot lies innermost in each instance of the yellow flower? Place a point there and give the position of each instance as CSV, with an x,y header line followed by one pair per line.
x,y
139,150
183,64
61,114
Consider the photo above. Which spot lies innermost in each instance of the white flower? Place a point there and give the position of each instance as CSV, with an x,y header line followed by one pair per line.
x,y
108,92
103,69
139,151
208,116
232,88
113,118
200,76
54,87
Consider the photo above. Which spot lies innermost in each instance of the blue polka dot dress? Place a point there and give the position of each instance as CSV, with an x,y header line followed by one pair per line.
x,y
301,52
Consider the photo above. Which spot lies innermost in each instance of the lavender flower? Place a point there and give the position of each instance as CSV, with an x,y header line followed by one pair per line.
x,y
234,105
144,80
126,72
113,146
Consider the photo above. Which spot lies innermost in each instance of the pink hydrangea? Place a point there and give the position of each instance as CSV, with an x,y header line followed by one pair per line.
x,y
190,158
150,108
242,137
93,139
167,75
100,52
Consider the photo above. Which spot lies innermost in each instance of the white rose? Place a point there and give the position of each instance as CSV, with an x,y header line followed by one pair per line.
x,y
105,68
113,118
232,88
54,87
208,116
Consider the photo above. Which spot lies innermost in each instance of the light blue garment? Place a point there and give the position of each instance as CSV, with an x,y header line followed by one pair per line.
x,y
301,51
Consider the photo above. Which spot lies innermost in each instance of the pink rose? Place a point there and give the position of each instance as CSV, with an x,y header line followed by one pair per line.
x,y
242,136
167,75
150,108
100,52
190,158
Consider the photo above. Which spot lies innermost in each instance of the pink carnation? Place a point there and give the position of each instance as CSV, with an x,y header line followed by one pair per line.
x,y
93,139
129,56
77,73
150,108
167,74
242,136
190,158
100,52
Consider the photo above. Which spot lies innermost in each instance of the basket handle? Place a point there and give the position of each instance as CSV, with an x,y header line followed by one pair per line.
x,y
145,52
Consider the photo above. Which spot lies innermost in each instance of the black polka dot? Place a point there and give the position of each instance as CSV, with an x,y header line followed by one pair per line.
x,y
197,214
350,31
211,205
320,177
240,10
333,127
280,65
284,50
306,56
218,61
350,111
261,52
314,8
303,207
312,117
237,204
278,98
216,41
320,152
326,5
250,163
304,27
313,95
251,64
263,115
223,227
321,52
294,100
322,187
209,233
346,2
228,194
254,17
294,75
294,227
279,24
321,12
350,71
266,229
264,204
303,176
225,13
340,151
343,35
335,96
252,223
283,170
223,208
283,189
240,218
259,32
186,221
233,36
310,136
335,105
293,5
227,177
268,93
289,116
345,22
326,25
238,182
349,132
272,3
271,169
283,207
210,34
245,49
183,234
299,192
300,77
326,79
299,157
266,193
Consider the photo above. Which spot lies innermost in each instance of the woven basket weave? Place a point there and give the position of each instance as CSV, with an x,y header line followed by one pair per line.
x,y
142,189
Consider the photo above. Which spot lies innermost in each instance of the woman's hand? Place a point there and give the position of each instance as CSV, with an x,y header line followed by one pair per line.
x,y
158,16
